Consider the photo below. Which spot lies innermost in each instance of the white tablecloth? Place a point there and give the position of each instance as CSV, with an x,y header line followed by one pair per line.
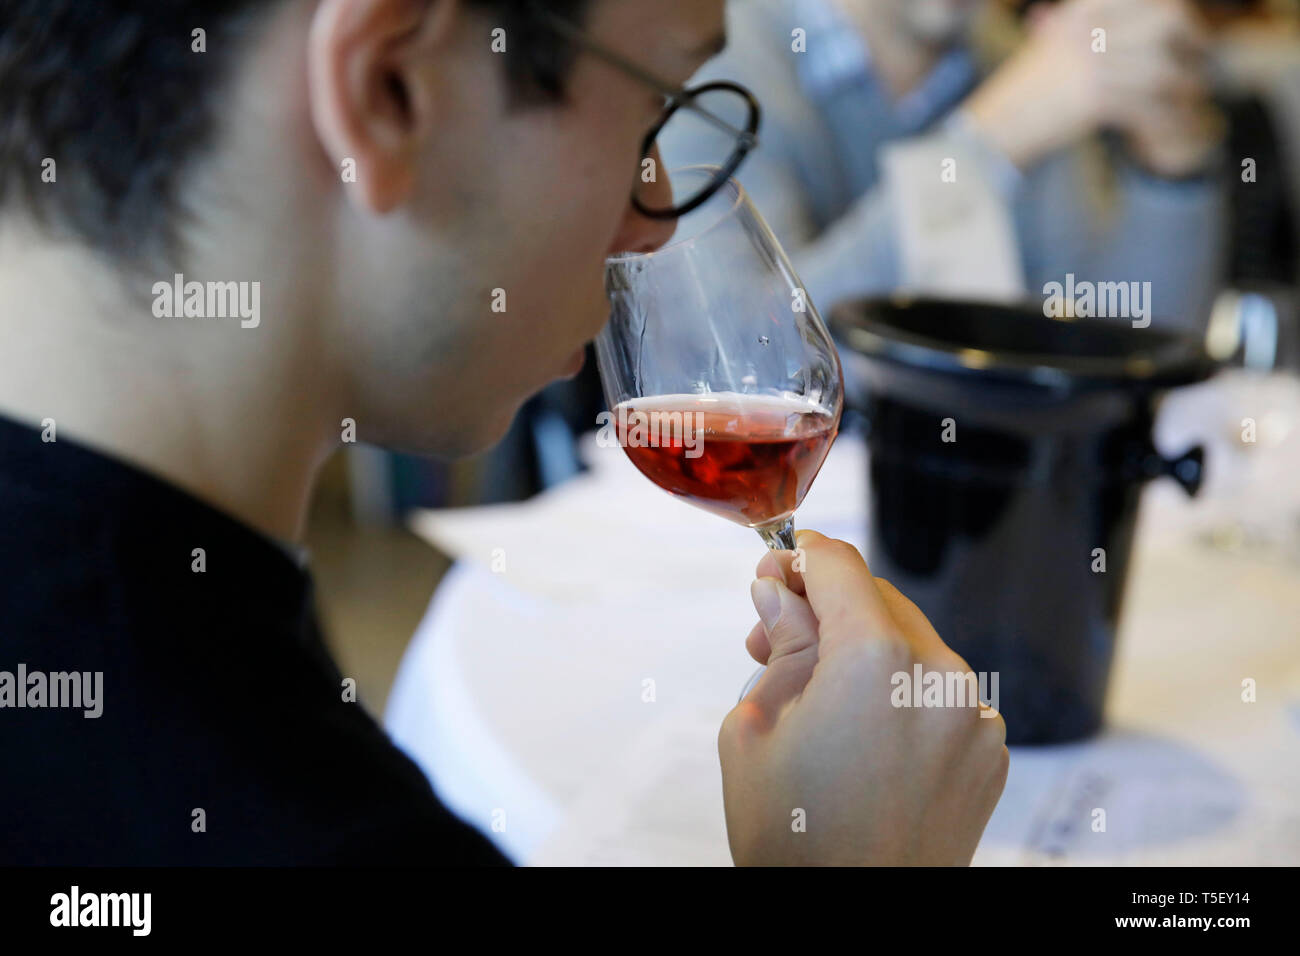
x,y
564,690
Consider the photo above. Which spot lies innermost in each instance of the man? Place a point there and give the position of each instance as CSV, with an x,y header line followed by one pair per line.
x,y
894,158
386,170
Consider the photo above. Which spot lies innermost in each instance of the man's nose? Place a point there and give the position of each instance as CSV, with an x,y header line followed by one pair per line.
x,y
637,232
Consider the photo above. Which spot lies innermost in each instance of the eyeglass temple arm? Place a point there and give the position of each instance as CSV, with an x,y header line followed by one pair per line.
x,y
576,36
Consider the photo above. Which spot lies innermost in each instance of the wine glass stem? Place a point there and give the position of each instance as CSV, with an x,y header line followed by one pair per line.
x,y
780,535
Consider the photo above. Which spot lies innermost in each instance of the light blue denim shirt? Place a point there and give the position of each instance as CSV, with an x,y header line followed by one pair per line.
x,y
816,178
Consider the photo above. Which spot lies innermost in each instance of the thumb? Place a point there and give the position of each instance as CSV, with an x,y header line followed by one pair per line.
x,y
791,630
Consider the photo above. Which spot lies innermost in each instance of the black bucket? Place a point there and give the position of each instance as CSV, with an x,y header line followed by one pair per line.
x,y
1008,451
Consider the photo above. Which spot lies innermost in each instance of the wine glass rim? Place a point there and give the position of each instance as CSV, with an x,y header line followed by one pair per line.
x,y
674,245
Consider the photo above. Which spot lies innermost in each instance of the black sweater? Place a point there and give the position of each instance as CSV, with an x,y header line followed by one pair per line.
x,y
223,736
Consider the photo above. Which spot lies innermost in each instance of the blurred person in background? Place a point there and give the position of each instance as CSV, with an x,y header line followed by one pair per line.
x,y
364,174
896,156
1256,66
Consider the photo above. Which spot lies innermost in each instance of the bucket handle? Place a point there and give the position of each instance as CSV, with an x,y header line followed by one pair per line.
x,y
1188,469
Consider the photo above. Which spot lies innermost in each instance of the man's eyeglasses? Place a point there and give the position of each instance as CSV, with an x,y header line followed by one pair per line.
x,y
717,121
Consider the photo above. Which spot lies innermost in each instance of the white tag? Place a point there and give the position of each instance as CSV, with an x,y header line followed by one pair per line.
x,y
956,236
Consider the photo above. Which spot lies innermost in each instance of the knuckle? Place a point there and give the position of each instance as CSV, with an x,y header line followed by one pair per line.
x,y
945,660
730,735
831,549
886,653
996,730
1003,768
726,731
843,551
891,593
894,596
952,661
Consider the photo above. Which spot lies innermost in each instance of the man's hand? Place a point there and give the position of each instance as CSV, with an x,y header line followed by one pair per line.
x,y
1149,83
818,766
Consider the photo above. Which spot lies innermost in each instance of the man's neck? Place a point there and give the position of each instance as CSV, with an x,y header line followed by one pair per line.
x,y
233,415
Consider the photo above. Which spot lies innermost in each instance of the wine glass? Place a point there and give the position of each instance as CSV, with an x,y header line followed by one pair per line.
x,y
1253,405
725,387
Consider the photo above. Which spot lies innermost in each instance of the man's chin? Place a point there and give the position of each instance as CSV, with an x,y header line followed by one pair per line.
x,y
476,438
469,428
461,437
574,364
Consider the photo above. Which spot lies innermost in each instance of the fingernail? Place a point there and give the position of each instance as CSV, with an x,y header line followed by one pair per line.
x,y
767,601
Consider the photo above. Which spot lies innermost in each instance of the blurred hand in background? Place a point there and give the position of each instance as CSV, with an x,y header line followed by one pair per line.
x,y
1137,66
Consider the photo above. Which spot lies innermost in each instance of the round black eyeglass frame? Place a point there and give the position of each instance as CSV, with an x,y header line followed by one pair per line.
x,y
675,98
745,141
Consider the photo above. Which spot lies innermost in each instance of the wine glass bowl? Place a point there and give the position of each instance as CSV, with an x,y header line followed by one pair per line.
x,y
724,383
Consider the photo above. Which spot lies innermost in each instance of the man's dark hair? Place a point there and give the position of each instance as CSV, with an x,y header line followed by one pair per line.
x,y
110,90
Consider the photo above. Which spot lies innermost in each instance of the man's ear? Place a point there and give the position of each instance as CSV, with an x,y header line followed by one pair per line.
x,y
370,101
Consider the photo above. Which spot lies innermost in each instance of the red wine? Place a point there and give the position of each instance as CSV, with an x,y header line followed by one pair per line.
x,y
749,458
